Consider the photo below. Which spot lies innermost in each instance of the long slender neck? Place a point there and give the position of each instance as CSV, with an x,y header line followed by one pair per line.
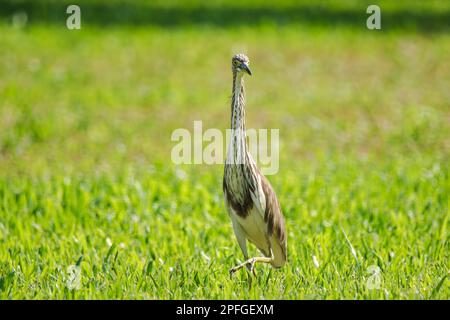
x,y
237,148
238,103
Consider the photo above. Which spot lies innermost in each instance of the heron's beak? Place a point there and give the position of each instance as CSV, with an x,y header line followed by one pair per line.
x,y
246,69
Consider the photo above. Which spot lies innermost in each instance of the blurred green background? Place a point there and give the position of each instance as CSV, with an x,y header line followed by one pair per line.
x,y
86,118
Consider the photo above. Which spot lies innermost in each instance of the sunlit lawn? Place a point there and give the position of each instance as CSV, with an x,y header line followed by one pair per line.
x,y
86,178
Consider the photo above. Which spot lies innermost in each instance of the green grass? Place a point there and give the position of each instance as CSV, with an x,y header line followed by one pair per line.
x,y
85,176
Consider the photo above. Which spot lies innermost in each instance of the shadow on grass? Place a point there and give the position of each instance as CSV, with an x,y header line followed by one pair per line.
x,y
104,13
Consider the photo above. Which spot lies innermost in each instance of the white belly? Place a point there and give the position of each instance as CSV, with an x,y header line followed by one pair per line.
x,y
255,229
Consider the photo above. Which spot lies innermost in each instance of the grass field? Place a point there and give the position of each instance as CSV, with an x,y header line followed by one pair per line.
x,y
86,181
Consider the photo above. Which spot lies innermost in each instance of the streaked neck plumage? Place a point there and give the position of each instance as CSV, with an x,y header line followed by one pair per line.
x,y
237,148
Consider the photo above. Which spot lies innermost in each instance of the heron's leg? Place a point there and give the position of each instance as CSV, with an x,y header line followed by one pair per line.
x,y
250,263
240,236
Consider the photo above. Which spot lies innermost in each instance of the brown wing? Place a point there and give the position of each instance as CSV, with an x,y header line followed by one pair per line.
x,y
273,216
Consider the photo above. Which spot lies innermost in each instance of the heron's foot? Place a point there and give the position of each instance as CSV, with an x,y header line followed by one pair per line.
x,y
250,264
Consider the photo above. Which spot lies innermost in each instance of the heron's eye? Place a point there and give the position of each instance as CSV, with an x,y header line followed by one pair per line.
x,y
235,63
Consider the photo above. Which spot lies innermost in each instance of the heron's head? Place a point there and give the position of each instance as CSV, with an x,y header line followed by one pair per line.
x,y
240,63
